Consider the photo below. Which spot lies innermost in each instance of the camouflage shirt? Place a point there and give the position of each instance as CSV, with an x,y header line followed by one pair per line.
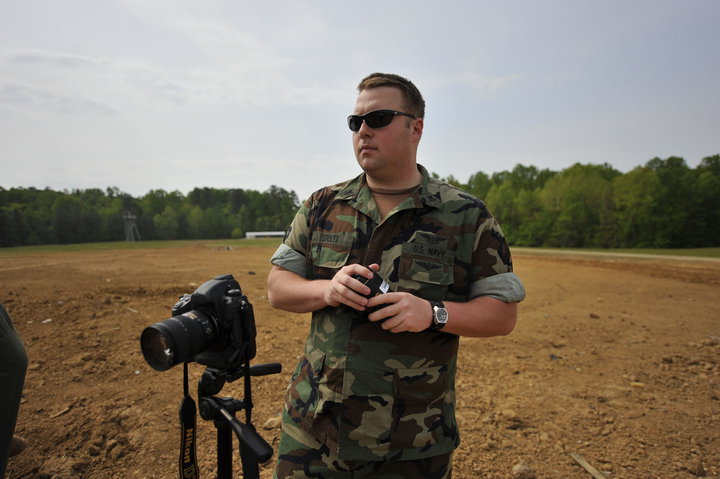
x,y
366,393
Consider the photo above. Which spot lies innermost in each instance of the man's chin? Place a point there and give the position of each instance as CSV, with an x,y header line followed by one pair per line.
x,y
368,164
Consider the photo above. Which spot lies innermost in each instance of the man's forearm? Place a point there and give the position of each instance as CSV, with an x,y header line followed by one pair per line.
x,y
291,292
481,317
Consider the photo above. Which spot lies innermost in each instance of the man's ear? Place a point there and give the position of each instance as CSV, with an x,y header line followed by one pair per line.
x,y
417,127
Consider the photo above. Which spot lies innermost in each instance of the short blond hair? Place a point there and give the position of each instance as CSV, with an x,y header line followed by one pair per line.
x,y
414,102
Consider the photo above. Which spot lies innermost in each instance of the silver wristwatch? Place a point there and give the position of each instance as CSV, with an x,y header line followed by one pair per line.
x,y
439,316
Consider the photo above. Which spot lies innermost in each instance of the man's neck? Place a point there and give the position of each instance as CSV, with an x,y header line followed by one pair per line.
x,y
395,183
390,193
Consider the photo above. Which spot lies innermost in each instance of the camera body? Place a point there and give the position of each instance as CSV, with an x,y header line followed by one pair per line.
x,y
214,326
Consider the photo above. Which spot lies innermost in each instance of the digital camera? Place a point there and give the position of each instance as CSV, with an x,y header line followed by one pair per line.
x,y
214,326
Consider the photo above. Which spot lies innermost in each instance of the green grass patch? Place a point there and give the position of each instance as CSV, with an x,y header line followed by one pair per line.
x,y
693,252
689,252
136,245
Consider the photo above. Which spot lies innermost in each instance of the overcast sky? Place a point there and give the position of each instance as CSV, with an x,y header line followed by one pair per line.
x,y
175,94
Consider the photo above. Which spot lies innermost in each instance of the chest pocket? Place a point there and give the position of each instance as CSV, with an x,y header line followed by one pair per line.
x,y
331,250
426,265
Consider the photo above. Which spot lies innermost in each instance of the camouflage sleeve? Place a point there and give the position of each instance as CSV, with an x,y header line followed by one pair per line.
x,y
493,266
491,254
298,233
291,255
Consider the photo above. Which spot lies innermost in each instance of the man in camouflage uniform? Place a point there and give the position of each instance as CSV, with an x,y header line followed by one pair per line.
x,y
374,393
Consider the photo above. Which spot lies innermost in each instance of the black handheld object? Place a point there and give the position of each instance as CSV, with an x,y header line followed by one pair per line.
x,y
376,284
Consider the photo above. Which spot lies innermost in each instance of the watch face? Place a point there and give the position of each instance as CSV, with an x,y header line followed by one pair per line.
x,y
441,315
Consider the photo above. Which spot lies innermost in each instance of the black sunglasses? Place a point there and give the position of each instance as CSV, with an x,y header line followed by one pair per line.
x,y
374,119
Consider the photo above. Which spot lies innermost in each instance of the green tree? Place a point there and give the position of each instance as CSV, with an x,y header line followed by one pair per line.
x,y
74,221
112,225
479,185
282,205
534,221
676,200
514,199
208,197
166,224
703,225
579,203
237,198
637,200
14,230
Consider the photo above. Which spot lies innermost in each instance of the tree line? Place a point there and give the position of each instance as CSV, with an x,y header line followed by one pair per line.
x,y
662,204
30,216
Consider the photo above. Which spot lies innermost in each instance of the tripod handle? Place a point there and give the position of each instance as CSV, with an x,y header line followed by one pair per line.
x,y
249,438
265,369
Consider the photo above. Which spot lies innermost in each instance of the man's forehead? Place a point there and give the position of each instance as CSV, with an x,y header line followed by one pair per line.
x,y
383,97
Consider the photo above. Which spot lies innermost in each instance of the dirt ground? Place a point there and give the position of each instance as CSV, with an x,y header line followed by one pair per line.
x,y
614,361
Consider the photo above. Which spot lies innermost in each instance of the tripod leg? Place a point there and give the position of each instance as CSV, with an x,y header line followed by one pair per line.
x,y
224,449
251,470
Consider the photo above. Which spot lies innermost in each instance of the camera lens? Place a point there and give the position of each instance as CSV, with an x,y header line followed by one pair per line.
x,y
177,339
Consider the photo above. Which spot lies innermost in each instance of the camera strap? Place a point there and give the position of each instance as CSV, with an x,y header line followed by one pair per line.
x,y
188,417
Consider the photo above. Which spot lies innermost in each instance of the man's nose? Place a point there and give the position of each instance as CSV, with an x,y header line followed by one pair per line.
x,y
365,130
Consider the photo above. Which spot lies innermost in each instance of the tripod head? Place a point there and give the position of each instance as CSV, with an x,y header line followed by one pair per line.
x,y
221,410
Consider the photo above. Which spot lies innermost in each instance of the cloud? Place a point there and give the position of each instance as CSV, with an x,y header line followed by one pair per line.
x,y
40,57
46,81
31,79
65,83
28,97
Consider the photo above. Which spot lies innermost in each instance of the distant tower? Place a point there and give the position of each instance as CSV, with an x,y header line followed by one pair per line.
x,y
131,230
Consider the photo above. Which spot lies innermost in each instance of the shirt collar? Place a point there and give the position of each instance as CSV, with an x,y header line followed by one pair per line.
x,y
358,194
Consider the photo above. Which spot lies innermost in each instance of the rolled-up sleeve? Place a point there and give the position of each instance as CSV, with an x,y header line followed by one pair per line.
x,y
506,287
289,259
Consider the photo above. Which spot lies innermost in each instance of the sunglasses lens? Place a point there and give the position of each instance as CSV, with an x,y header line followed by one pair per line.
x,y
378,119
354,122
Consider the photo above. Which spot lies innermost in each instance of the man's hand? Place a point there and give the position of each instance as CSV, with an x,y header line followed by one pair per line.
x,y
344,289
483,316
401,312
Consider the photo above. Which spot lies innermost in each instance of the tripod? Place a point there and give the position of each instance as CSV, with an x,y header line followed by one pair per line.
x,y
221,410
